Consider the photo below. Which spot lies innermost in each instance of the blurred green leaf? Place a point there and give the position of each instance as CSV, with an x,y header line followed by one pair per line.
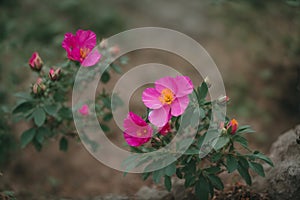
x,y
27,137
39,116
63,144
168,183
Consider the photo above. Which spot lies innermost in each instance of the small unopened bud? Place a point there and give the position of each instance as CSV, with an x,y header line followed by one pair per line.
x,y
114,50
207,81
223,99
232,126
35,62
54,74
103,43
39,87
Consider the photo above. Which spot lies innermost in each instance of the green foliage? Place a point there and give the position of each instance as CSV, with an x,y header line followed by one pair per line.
x,y
202,173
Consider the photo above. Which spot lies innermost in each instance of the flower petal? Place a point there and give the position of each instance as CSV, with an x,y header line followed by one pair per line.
x,y
159,117
166,82
137,119
179,105
184,86
135,141
86,39
150,98
92,58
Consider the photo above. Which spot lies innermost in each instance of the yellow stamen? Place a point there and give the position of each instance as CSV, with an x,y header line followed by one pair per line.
x,y
166,96
84,52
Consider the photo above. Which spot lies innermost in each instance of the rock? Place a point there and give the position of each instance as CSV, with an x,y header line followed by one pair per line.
x,y
283,181
146,193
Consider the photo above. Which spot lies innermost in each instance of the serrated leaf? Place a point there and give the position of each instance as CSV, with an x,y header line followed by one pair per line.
x,y
241,140
63,144
51,109
107,117
212,170
116,68
258,168
231,163
170,170
168,183
202,91
263,157
216,181
202,189
157,174
105,77
27,137
23,107
39,116
222,141
244,173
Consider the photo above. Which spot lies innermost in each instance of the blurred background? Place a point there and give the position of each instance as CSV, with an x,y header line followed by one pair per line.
x,y
255,44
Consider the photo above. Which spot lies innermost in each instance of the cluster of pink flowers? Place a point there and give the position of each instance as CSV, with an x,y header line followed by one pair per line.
x,y
168,98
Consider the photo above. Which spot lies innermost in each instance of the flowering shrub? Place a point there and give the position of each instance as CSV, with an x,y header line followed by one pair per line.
x,y
171,106
170,101
47,104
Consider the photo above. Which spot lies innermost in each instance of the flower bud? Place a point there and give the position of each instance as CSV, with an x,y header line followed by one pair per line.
x,y
114,50
35,62
207,81
39,87
54,74
103,43
223,99
232,126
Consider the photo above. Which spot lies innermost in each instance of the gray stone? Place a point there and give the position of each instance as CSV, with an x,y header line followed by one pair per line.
x,y
146,193
283,181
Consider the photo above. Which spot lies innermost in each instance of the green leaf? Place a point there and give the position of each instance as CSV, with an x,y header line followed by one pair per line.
x,y
212,170
51,109
168,183
261,156
104,127
65,113
245,129
231,163
244,173
258,168
202,189
222,141
202,91
40,136
105,77
63,144
116,68
27,137
243,141
107,117
170,170
216,157
216,181
23,107
156,175
39,116
145,175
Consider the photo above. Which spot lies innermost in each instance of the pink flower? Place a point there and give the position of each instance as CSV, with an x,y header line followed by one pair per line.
x,y
35,62
136,130
80,47
168,98
84,110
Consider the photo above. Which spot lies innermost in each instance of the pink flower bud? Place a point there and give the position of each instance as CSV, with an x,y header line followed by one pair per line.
x,y
54,74
103,43
35,62
39,87
232,126
114,50
223,99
